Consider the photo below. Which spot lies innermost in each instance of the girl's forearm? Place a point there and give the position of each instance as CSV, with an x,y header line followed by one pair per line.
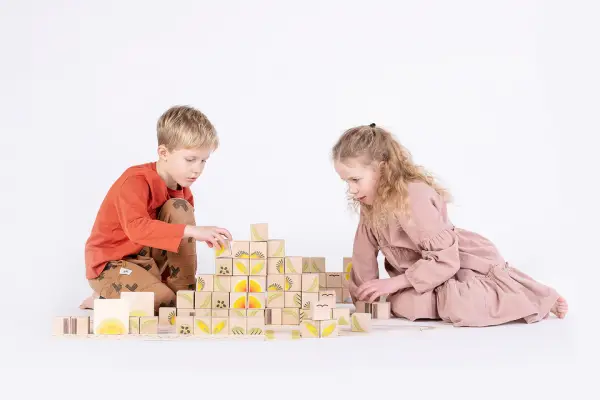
x,y
402,282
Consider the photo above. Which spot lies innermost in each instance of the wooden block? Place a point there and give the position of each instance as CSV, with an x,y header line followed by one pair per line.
x,y
111,317
342,316
293,265
274,333
202,312
185,299
224,251
220,300
338,295
276,248
314,265
256,312
259,232
347,268
305,264
220,326
308,299
166,319
61,326
204,283
275,266
237,312
258,250
322,281
202,326
361,322
134,325
239,284
186,312
363,307
257,300
293,283
382,310
224,266
203,300
73,325
237,325
238,300
273,316
241,266
275,283
257,284
255,326
293,299
141,304
275,300
328,328
328,296
320,311
222,284
82,325
290,316
346,297
334,280
148,325
240,249
309,329
258,267
219,313
310,283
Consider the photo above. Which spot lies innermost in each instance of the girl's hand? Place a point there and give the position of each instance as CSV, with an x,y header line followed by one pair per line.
x,y
371,290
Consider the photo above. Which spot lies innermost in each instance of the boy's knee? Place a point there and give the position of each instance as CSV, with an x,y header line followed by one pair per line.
x,y
177,211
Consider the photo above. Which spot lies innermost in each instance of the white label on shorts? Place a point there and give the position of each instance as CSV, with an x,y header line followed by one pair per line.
x,y
125,271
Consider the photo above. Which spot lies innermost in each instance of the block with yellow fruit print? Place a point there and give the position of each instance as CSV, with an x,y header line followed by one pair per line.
x,y
293,299
328,328
256,312
310,282
258,267
342,316
275,300
220,326
276,248
237,312
238,300
309,329
111,317
255,326
224,266
275,266
308,299
316,265
237,325
258,250
293,283
203,300
275,283
293,265
240,249
222,284
241,266
256,301
148,325
347,264
134,325
282,333
239,284
259,232
202,326
166,319
204,283
257,284
185,299
224,251
290,316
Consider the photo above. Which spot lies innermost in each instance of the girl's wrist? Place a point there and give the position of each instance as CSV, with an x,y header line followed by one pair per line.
x,y
402,282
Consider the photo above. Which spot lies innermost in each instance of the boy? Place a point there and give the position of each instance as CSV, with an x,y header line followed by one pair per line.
x,y
144,237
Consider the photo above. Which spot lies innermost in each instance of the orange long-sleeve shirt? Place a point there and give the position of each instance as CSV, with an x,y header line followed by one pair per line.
x,y
126,221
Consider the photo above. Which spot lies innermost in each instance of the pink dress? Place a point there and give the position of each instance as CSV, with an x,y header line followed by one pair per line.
x,y
456,275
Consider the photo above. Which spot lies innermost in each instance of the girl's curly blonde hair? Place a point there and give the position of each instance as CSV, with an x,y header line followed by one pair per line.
x,y
372,144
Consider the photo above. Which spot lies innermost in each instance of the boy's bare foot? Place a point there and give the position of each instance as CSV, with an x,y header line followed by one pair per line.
x,y
560,308
88,304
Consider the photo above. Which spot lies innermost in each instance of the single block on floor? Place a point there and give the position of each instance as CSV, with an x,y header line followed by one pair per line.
x,y
381,310
166,319
61,326
361,322
328,328
342,316
111,317
309,329
82,325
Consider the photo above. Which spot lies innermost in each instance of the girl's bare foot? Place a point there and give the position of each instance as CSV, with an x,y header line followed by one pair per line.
x,y
560,308
88,304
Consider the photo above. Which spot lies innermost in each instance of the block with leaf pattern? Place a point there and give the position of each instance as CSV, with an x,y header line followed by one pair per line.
x,y
360,322
293,265
203,300
275,283
241,266
310,282
149,325
237,312
185,299
220,326
290,316
293,299
342,316
328,328
275,266
238,300
222,283
240,249
254,312
204,283
237,325
314,265
257,301
309,329
293,283
202,326
275,299
134,325
258,250
239,284
276,248
259,232
256,326
224,266
258,267
224,251
282,333
308,299
185,325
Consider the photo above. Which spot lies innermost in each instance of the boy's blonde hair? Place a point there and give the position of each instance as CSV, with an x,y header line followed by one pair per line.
x,y
368,144
186,127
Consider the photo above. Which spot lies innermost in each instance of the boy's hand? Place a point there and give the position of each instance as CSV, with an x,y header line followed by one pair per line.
x,y
212,235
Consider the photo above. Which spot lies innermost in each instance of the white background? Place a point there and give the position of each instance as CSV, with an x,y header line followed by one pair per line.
x,y
495,98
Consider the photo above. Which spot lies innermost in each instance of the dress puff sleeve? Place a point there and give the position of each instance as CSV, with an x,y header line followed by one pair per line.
x,y
433,236
364,257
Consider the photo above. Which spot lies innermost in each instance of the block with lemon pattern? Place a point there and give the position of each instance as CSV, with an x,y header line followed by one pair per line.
x,y
347,263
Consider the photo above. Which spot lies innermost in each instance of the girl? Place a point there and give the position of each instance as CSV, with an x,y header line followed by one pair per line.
x,y
437,271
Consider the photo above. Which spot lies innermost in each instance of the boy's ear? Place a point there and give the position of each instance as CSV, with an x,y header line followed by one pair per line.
x,y
163,152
